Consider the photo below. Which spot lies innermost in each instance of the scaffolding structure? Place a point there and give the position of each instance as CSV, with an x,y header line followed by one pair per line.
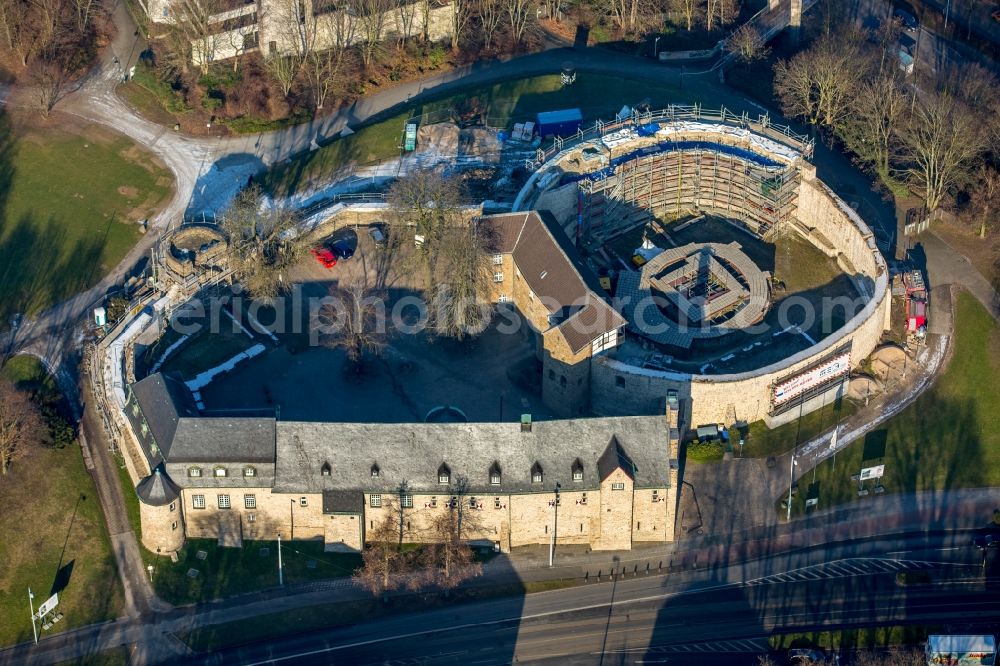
x,y
759,196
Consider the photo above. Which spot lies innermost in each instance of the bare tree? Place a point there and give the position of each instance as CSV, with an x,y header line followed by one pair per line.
x,y
819,83
747,44
356,315
20,424
689,9
384,566
284,69
986,199
370,16
16,21
192,34
262,246
49,78
461,15
490,15
429,201
461,292
942,143
449,559
880,105
84,9
519,13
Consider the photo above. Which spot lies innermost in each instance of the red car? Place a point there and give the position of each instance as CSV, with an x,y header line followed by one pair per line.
x,y
324,256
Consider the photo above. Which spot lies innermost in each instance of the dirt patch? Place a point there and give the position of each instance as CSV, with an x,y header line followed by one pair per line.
x,y
128,191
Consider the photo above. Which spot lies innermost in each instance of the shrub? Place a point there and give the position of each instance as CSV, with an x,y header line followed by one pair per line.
x,y
698,451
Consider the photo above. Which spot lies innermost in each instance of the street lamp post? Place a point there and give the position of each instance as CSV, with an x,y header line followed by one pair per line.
x,y
791,481
31,605
656,43
281,572
291,516
555,524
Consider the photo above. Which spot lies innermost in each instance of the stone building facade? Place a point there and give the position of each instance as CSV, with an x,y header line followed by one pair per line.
x,y
539,272
605,483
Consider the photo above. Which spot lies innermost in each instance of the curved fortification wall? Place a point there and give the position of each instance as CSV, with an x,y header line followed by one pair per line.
x,y
651,177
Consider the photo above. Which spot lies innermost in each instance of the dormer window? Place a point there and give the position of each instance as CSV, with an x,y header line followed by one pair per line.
x,y
194,472
495,474
376,472
249,471
325,469
536,473
577,470
220,471
444,474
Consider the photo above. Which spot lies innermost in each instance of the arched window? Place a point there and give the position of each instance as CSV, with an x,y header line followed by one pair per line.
x,y
444,474
249,471
495,474
536,473
376,472
577,470
325,469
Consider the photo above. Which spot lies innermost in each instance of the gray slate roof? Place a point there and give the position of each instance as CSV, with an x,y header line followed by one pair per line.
x,y
163,401
157,489
223,439
413,453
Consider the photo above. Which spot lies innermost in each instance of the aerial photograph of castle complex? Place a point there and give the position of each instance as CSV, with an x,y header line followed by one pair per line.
x,y
482,332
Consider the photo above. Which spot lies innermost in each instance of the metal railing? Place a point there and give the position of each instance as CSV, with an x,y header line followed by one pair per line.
x,y
673,113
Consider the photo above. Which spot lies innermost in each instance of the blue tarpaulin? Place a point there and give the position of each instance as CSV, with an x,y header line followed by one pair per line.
x,y
670,146
649,129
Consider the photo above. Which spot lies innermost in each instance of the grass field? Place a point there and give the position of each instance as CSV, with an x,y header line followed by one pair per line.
x,y
69,200
228,571
948,438
207,351
63,546
598,96
761,441
325,616
869,637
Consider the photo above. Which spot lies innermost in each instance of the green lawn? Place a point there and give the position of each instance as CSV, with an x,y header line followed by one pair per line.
x,y
868,637
69,200
207,351
761,441
228,571
597,95
948,438
62,544
325,616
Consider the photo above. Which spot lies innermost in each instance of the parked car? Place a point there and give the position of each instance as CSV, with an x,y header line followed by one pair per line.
x,y
342,250
324,256
377,236
910,21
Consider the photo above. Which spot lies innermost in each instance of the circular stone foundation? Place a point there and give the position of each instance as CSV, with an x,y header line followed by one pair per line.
x,y
700,290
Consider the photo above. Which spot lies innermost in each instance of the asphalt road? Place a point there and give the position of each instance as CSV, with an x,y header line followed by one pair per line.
x,y
583,626
656,619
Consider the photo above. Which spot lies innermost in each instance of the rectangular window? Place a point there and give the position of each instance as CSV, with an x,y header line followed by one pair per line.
x,y
494,479
375,500
173,506
618,486
220,471
605,341
503,298
497,259
536,477
173,525
198,501
194,472
472,502
583,498
223,501
249,471
434,502
496,502
251,517
444,478
250,501
406,501
578,475
303,501
656,497
498,277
